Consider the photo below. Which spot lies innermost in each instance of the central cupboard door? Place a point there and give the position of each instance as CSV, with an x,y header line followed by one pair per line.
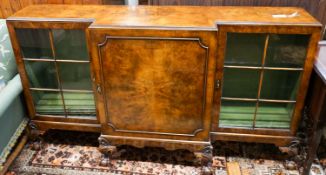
x,y
156,85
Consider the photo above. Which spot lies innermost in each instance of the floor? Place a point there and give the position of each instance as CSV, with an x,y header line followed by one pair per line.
x,y
76,153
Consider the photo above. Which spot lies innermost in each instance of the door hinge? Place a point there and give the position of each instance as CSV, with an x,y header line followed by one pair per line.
x,y
217,84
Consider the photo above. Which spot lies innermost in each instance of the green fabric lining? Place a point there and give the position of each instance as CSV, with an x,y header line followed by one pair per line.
x,y
76,104
267,117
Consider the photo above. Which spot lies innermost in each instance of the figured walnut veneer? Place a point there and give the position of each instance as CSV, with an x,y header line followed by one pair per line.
x,y
163,79
152,79
165,16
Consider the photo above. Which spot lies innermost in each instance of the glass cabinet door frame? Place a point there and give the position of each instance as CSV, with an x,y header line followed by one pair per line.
x,y
223,30
48,24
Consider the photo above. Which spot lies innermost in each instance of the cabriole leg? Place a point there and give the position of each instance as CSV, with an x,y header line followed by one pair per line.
x,y
107,150
204,158
35,136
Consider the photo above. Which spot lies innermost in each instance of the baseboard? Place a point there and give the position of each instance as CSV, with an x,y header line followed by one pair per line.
x,y
22,141
12,142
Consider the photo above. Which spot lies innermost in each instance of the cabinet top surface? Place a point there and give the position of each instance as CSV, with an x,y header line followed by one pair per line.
x,y
167,16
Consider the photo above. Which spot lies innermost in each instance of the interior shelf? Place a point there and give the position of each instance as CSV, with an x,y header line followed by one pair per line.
x,y
77,104
267,117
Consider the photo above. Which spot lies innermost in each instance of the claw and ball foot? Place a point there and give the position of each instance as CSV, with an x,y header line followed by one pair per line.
x,y
107,150
292,149
35,136
204,158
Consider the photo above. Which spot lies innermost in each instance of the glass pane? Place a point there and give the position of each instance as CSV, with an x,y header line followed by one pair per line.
x,y
34,43
70,44
48,102
75,76
240,83
237,114
244,49
41,74
274,115
79,104
280,85
287,50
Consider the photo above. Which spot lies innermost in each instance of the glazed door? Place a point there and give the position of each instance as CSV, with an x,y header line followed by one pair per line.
x,y
155,84
264,80
260,84
55,67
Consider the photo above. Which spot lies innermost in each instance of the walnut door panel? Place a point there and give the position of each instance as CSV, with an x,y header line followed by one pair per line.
x,y
155,85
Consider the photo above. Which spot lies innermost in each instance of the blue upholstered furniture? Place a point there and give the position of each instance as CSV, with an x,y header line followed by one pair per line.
x,y
12,114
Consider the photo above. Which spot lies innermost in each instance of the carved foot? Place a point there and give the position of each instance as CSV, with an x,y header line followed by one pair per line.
x,y
204,158
35,136
292,149
109,151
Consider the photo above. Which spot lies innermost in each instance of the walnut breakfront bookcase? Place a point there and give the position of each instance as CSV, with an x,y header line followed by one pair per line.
x,y
173,77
